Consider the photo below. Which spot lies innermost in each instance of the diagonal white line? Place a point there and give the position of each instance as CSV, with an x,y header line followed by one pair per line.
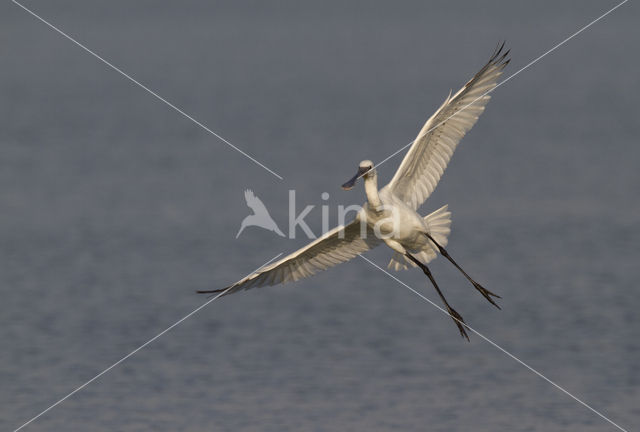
x,y
495,345
137,349
531,63
371,262
130,78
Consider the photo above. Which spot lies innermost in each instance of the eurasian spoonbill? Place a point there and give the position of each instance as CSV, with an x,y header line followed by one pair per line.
x,y
390,214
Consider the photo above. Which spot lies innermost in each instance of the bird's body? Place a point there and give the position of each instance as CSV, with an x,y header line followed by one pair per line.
x,y
400,227
390,214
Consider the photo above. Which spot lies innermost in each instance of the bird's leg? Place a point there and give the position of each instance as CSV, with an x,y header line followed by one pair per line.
x,y
457,318
485,292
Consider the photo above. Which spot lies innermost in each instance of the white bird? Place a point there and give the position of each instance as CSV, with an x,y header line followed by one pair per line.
x,y
390,214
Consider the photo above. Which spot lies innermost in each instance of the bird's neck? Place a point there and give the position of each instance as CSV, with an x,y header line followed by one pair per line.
x,y
371,189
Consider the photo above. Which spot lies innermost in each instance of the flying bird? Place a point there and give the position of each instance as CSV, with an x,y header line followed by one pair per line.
x,y
260,216
390,214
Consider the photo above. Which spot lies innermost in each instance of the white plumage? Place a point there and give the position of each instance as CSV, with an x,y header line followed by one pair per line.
x,y
390,214
424,164
337,246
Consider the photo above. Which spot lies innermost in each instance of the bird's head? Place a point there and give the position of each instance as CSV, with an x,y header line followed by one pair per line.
x,y
365,169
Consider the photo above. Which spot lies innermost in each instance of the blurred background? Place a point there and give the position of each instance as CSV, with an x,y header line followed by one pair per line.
x,y
115,209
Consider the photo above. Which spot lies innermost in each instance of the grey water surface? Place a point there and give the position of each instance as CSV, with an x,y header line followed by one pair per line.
x,y
115,209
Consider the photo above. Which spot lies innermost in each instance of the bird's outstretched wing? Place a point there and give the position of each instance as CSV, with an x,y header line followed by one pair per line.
x,y
429,155
337,246
254,203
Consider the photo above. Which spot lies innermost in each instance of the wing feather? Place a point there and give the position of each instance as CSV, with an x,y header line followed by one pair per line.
x,y
337,246
428,157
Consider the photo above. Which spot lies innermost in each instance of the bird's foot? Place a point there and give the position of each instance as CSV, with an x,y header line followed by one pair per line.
x,y
486,293
457,318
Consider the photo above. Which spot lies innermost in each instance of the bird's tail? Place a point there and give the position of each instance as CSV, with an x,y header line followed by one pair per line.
x,y
439,226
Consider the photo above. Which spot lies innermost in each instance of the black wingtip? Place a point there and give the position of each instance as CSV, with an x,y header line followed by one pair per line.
x,y
211,291
497,50
498,57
